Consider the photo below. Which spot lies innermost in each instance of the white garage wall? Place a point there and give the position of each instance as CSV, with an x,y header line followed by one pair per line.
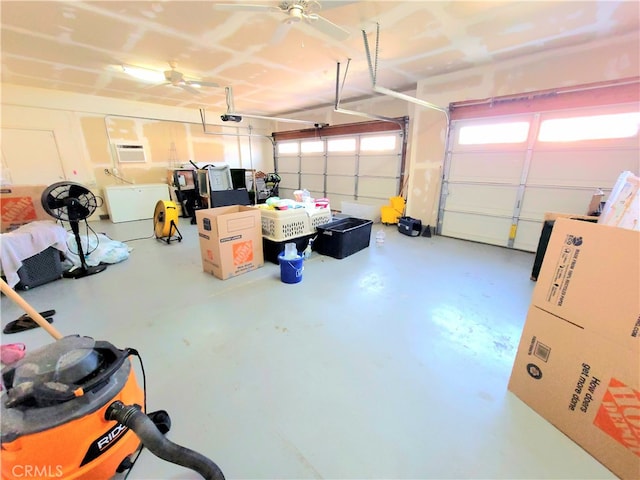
x,y
83,156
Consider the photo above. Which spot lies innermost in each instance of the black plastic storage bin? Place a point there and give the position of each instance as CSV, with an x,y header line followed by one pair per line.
x,y
43,267
341,238
272,249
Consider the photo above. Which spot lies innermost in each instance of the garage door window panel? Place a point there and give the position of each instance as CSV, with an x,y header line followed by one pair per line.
x,y
378,143
494,133
341,145
590,127
310,147
288,148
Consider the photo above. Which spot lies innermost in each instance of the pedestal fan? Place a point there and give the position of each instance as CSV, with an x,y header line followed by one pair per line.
x,y
72,202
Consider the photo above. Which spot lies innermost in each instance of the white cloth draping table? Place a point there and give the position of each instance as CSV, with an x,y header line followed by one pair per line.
x,y
27,241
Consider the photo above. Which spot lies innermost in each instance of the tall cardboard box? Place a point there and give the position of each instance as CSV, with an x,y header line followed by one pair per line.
x,y
586,385
21,204
578,362
591,277
230,240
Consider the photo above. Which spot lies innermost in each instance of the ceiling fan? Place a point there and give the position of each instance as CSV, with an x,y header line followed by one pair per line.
x,y
295,11
169,77
176,78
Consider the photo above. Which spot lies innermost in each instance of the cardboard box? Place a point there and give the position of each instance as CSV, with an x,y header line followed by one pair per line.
x,y
578,362
557,215
590,276
585,385
622,209
230,240
21,204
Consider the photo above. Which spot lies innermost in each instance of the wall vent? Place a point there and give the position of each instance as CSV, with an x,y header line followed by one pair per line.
x,y
130,153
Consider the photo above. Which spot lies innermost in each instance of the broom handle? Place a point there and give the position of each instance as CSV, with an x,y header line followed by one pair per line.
x,y
39,319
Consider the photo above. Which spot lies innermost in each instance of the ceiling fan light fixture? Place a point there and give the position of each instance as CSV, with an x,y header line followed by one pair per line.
x,y
296,13
143,74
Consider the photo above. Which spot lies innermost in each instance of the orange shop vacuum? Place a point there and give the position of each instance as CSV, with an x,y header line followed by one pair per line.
x,y
73,409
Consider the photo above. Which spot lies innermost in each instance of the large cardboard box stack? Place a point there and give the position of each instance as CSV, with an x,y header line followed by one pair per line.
x,y
578,362
230,240
21,204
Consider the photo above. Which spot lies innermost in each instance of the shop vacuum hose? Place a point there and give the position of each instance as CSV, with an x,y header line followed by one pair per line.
x,y
132,417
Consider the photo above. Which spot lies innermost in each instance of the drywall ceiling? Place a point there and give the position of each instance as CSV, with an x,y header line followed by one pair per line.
x,y
80,46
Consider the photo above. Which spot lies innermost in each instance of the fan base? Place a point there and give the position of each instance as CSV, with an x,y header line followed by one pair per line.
x,y
84,271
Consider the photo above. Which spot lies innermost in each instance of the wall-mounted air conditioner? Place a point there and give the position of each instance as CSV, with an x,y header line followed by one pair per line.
x,y
130,153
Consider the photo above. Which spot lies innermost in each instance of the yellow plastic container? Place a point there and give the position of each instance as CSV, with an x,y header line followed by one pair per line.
x,y
389,215
398,204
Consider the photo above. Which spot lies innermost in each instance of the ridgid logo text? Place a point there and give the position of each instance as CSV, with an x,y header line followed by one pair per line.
x,y
111,435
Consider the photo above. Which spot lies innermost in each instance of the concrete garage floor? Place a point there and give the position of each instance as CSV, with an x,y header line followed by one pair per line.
x,y
391,363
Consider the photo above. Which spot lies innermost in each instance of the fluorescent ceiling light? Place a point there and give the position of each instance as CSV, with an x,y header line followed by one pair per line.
x,y
143,74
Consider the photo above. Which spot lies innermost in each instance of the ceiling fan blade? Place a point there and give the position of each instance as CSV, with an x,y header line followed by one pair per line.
x,y
337,3
280,33
238,7
328,28
202,84
189,88
154,85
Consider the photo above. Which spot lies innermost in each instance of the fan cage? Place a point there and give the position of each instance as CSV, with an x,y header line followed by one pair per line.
x,y
55,204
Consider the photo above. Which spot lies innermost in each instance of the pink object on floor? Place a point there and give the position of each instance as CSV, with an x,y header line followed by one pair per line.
x,y
12,352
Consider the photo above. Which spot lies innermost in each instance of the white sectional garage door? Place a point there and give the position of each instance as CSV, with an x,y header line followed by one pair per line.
x,y
503,173
363,167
